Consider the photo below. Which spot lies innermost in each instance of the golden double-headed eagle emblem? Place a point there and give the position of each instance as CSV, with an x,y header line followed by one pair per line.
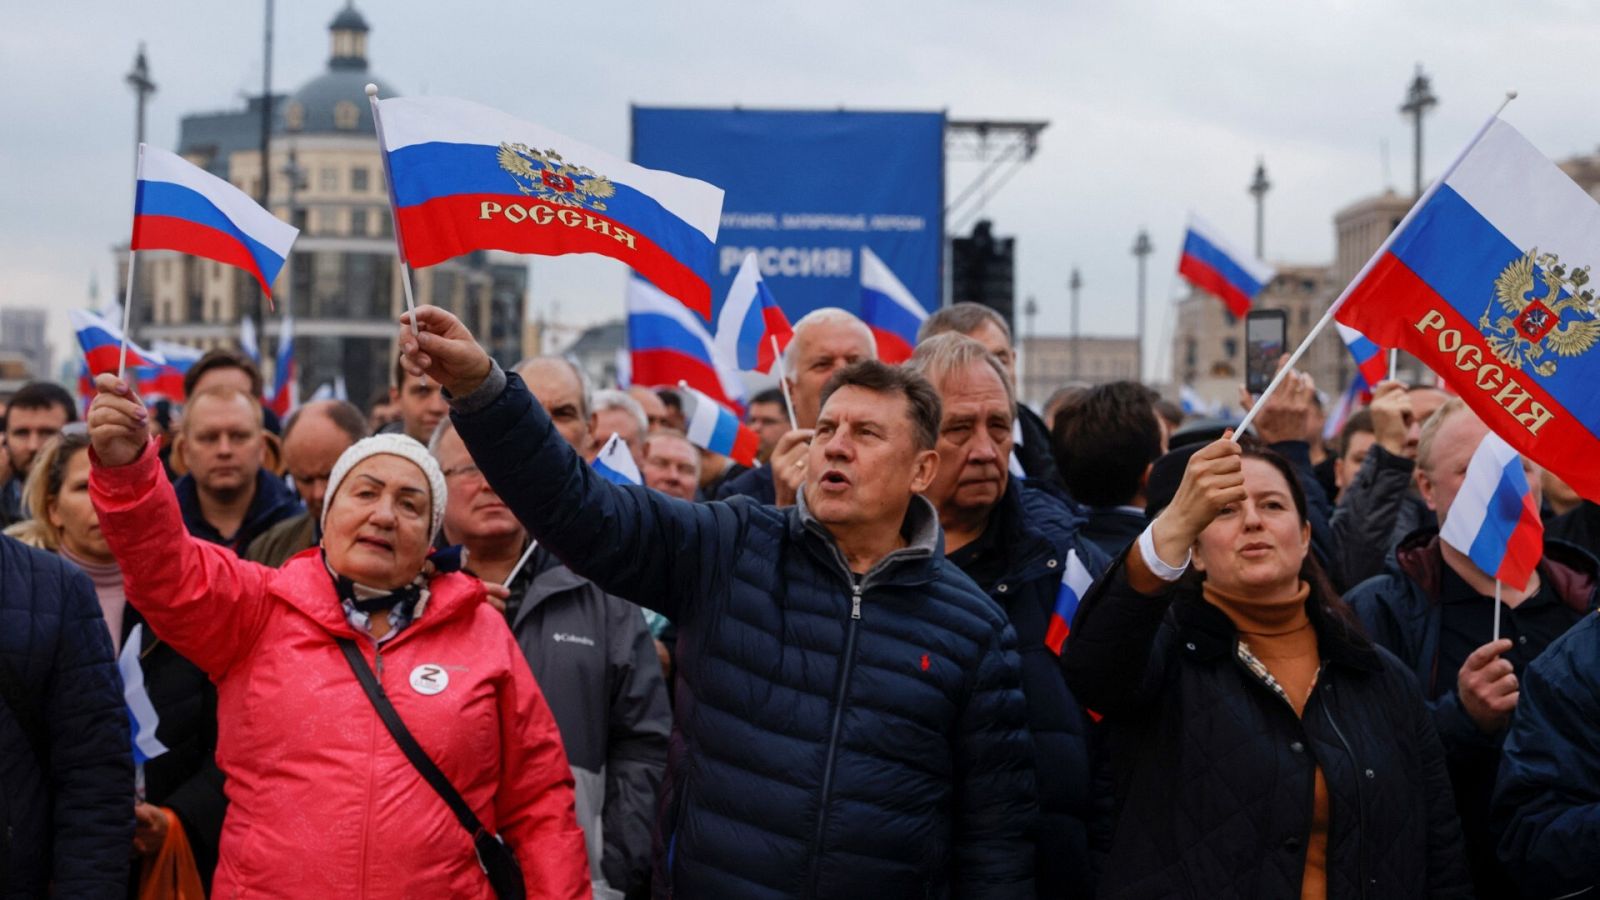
x,y
544,175
1545,310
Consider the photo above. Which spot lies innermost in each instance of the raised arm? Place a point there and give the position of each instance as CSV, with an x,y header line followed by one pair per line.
x,y
636,543
200,598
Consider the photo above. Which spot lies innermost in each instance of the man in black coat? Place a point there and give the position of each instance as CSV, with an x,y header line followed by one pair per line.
x,y
66,769
1022,545
849,718
1435,611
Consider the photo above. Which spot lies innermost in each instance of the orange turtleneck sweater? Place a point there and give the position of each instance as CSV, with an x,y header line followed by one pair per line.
x,y
1279,635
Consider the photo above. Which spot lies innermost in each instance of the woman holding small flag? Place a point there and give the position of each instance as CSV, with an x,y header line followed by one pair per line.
x,y
1261,746
380,731
1469,607
177,793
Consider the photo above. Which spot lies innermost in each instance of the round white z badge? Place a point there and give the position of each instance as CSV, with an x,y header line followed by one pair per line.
x,y
429,679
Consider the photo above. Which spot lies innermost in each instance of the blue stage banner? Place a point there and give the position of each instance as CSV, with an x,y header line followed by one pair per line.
x,y
806,190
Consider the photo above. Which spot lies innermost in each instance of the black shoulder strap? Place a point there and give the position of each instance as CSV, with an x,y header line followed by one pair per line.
x,y
408,744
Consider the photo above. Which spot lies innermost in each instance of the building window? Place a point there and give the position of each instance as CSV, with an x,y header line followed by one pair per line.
x,y
346,115
294,116
358,222
300,220
328,180
358,179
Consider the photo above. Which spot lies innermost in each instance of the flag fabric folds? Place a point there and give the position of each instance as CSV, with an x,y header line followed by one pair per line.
x,y
1494,518
1371,361
142,717
615,462
669,344
102,343
283,397
1486,282
712,426
888,309
1211,264
751,321
466,177
179,206
1075,583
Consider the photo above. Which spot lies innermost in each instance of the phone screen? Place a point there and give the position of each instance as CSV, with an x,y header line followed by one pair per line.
x,y
1264,340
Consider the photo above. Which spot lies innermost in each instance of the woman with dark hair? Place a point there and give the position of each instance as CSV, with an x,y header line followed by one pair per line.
x,y
178,788
1260,746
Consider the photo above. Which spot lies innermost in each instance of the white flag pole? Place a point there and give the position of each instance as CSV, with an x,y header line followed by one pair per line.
x,y
783,381
133,256
1394,363
1497,609
1360,276
520,563
394,212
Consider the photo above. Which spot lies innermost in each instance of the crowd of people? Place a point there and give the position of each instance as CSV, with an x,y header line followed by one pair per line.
x,y
429,650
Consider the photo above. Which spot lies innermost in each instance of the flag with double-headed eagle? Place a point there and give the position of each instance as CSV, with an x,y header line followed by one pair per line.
x,y
466,177
1486,281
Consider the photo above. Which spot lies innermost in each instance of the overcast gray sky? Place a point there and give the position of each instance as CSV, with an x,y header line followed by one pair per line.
x,y
1156,108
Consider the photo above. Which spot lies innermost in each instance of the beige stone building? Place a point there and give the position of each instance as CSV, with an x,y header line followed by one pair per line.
x,y
343,280
1052,361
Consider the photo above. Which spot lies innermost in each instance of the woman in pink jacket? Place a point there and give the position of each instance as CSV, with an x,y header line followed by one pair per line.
x,y
324,802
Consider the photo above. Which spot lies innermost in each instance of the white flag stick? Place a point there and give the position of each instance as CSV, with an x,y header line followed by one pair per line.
x,y
394,212
520,563
1497,609
1360,276
133,256
1394,362
783,380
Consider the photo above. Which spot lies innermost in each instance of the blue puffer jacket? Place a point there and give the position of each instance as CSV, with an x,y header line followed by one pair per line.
x,y
70,827
1034,531
1547,799
832,739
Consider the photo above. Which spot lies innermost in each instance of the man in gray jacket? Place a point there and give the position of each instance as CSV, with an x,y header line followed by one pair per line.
x,y
594,660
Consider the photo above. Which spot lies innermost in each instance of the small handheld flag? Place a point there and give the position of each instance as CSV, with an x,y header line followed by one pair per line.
x,y
142,717
711,426
182,207
1494,519
466,177
751,328
1075,583
888,309
102,343
670,344
1370,358
615,462
1211,264
284,388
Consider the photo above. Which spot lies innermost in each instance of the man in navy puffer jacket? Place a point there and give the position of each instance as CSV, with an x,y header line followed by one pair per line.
x,y
849,720
66,771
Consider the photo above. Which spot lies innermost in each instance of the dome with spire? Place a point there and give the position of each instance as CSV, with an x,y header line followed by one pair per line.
x,y
335,102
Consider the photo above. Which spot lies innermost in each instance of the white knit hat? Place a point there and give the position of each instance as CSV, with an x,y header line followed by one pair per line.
x,y
395,445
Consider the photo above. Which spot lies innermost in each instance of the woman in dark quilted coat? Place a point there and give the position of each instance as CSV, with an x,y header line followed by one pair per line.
x,y
1260,746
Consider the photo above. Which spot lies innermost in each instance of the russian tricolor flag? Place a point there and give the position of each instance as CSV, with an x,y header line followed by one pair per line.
x,y
669,344
465,177
1369,357
102,343
1075,583
888,309
182,207
712,426
615,463
1211,264
142,717
284,390
1486,282
1494,518
751,328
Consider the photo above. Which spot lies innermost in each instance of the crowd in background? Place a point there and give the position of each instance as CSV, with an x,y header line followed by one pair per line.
x,y
934,644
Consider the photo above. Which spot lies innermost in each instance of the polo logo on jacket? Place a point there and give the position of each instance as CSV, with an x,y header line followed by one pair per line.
x,y
561,637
